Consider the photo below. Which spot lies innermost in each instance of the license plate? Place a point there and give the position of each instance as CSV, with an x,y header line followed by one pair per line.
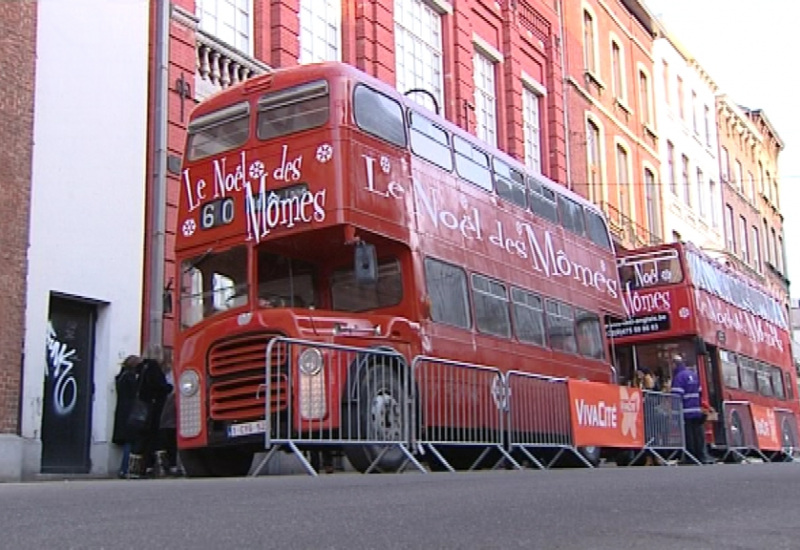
x,y
247,428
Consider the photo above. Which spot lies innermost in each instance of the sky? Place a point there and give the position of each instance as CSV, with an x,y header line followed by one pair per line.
x,y
748,49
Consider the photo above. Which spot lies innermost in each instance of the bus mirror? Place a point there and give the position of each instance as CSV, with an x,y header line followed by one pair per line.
x,y
365,264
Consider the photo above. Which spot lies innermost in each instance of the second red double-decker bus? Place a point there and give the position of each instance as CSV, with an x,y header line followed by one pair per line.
x,y
727,326
462,253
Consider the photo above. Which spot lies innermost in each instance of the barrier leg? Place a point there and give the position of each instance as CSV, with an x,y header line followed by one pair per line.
x,y
506,457
440,458
306,466
265,460
530,457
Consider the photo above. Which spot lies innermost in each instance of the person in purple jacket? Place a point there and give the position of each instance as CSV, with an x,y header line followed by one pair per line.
x,y
686,384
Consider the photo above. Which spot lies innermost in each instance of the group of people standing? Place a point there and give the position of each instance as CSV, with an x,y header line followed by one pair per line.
x,y
144,420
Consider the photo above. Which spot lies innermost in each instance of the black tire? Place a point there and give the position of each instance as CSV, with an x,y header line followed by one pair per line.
x,y
591,454
377,414
222,462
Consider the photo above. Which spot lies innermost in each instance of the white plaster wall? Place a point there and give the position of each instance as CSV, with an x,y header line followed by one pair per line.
x,y
88,193
701,230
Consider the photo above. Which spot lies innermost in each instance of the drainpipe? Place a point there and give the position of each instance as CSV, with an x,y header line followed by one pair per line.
x,y
159,188
564,91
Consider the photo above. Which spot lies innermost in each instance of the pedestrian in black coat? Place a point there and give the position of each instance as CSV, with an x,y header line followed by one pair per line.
x,y
153,390
126,385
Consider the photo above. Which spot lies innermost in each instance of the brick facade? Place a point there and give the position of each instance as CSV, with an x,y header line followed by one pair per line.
x,y
606,90
17,65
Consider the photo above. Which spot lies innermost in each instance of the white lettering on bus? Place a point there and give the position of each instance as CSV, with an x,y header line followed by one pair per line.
x,y
467,223
598,415
754,328
268,211
227,182
650,302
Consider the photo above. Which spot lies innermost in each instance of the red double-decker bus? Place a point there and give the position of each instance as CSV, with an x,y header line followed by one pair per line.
x,y
318,203
727,326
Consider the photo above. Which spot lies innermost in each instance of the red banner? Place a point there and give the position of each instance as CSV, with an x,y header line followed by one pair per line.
x,y
605,415
766,428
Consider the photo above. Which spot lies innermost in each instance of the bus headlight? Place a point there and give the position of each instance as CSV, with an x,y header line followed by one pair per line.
x,y
189,383
310,362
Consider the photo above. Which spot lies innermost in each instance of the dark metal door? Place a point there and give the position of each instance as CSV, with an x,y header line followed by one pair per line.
x,y
68,387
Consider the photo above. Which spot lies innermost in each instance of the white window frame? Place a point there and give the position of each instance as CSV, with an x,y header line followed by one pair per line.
x,y
485,60
594,69
325,15
431,48
649,122
211,26
533,94
622,93
601,161
629,210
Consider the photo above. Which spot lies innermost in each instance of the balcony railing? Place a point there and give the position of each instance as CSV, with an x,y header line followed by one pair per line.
x,y
626,232
220,66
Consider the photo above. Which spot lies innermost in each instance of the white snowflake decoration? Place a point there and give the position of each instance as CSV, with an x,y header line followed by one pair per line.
x,y
386,166
188,228
324,153
256,170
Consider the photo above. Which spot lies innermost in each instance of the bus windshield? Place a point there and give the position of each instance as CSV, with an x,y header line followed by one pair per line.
x,y
661,267
213,282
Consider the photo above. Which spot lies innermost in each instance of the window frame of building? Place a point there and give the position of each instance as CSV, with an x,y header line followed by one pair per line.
x,y
739,174
652,209
724,164
485,81
680,99
701,189
695,121
424,49
707,118
712,203
751,186
209,20
673,183
767,248
687,183
326,20
622,158
532,99
756,246
591,63
730,236
744,248
667,89
618,86
645,97
594,152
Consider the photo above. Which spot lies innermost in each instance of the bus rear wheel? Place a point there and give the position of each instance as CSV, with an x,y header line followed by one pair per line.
x,y
377,415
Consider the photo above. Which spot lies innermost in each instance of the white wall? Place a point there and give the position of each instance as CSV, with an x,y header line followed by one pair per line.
x,y
701,229
88,193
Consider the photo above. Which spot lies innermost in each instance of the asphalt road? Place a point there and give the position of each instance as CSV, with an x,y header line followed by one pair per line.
x,y
722,506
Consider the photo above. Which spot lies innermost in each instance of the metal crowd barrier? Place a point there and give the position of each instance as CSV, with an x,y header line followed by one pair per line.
x,y
787,424
740,434
461,411
539,418
664,434
306,409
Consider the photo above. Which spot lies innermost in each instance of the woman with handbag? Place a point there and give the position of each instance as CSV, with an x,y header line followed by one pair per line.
x,y
145,415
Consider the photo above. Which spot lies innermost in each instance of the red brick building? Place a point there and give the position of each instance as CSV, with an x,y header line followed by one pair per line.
x,y
613,138
17,65
492,67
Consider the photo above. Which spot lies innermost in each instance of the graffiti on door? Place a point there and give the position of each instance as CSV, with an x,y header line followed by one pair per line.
x,y
59,369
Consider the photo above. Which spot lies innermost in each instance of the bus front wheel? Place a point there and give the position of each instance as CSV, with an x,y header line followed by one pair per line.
x,y
377,415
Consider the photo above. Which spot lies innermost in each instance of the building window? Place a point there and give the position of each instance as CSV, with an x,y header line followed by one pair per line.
x,y
320,24
623,181
738,175
594,164
673,186
730,242
767,248
667,98
743,240
651,203
695,125
760,177
617,72
485,103
712,203
767,184
589,46
756,244
707,121
228,20
751,186
701,189
531,129
680,100
687,184
775,200
418,50
724,164
644,98
780,252
773,254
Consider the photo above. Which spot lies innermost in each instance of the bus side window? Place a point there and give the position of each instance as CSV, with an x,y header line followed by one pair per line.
x,y
589,334
491,306
379,115
777,382
560,326
542,200
447,288
509,183
429,142
528,317
571,214
597,229
293,110
472,164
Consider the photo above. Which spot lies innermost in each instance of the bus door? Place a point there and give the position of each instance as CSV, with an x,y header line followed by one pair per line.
x,y
713,387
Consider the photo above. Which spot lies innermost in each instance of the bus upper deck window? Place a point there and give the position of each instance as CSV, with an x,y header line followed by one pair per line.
x,y
293,110
219,131
379,115
597,229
